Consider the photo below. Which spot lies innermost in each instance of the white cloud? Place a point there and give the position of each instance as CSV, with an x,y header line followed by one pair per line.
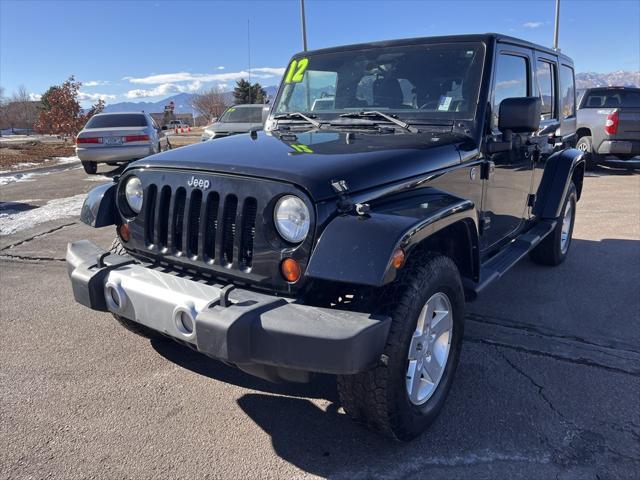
x,y
278,72
261,72
34,97
532,24
181,82
164,89
95,83
94,97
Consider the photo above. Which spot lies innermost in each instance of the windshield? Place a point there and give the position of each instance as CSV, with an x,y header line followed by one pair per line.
x,y
412,81
122,120
242,115
612,99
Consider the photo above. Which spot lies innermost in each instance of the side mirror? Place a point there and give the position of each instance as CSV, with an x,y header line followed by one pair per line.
x,y
519,115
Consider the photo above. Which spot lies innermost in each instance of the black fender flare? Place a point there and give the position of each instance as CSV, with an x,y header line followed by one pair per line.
x,y
559,170
358,249
99,208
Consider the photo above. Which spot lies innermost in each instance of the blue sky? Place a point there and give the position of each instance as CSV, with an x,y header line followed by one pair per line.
x,y
130,50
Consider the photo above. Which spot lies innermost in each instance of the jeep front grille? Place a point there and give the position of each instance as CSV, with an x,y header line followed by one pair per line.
x,y
184,223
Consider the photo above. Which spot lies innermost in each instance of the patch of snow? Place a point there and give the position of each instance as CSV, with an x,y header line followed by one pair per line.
x,y
98,178
22,165
28,176
53,210
17,177
61,160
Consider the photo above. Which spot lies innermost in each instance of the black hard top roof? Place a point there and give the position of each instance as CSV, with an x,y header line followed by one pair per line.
x,y
481,37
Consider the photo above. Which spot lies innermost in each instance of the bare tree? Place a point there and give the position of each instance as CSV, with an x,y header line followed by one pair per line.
x,y
210,104
19,111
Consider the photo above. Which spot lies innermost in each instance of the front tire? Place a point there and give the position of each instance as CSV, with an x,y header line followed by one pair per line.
x,y
405,392
90,167
554,248
591,157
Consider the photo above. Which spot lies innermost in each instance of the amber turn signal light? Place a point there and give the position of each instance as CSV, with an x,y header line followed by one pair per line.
x,y
397,259
124,232
291,270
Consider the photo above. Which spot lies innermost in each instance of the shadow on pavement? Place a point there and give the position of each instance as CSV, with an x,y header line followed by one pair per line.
x,y
601,171
321,386
522,413
9,208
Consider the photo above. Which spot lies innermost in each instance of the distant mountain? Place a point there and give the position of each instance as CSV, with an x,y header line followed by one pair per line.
x,y
620,79
182,103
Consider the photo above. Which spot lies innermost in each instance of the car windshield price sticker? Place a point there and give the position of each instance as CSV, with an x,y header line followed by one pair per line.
x,y
295,74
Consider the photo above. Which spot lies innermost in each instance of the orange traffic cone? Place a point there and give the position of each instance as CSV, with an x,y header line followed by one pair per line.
x,y
181,129
189,129
176,130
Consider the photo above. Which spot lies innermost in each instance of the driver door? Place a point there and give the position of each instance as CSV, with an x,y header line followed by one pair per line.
x,y
509,174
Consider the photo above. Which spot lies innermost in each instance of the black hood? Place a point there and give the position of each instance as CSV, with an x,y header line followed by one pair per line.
x,y
312,160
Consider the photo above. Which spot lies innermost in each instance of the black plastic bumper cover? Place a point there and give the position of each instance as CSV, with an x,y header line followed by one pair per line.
x,y
254,328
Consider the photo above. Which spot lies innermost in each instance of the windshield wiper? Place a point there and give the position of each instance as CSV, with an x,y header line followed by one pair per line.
x,y
375,113
291,115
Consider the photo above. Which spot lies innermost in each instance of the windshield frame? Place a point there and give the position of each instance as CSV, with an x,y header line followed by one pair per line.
x,y
409,115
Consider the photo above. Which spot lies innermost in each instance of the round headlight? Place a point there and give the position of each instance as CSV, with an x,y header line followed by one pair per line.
x,y
133,194
291,217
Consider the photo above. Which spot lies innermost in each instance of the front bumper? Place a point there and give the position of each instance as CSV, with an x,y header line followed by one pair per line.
x,y
235,325
122,153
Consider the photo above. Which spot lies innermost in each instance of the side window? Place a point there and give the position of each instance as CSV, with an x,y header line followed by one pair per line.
x,y
567,92
544,80
510,81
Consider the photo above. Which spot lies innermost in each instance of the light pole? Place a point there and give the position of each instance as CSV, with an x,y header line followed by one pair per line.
x,y
557,26
304,26
249,54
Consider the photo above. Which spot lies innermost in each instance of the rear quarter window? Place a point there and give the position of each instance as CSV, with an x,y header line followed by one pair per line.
x,y
567,92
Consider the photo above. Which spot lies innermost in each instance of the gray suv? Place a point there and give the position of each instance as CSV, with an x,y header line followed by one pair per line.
x,y
237,119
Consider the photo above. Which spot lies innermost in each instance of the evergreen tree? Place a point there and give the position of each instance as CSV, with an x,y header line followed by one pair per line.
x,y
244,92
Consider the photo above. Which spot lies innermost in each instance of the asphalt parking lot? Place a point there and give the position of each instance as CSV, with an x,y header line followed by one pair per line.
x,y
548,385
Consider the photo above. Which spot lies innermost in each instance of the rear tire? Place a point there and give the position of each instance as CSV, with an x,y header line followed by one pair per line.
x,y
383,397
554,248
90,167
585,144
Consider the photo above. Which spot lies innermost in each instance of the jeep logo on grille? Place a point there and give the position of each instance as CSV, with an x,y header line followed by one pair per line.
x,y
198,183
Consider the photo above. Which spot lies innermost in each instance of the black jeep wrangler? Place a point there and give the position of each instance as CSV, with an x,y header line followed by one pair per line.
x,y
393,182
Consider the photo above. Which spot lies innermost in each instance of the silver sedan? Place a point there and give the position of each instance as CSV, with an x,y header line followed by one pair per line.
x,y
118,137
